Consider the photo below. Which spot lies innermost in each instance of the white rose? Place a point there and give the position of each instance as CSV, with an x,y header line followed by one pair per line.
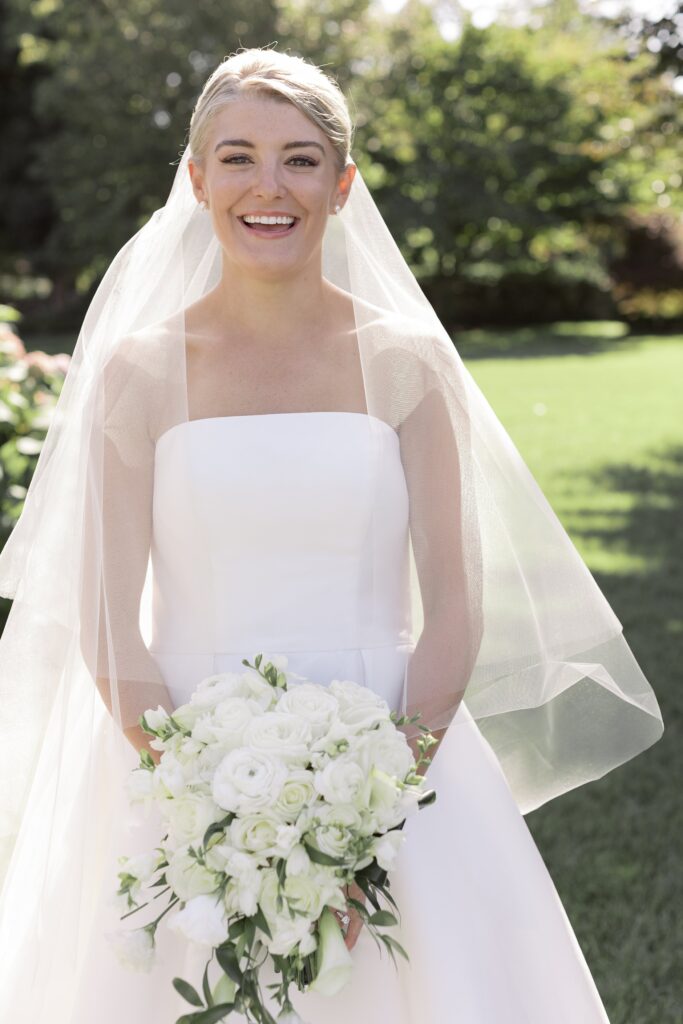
x,y
245,780
186,715
365,716
286,935
256,833
309,894
313,702
387,748
342,781
225,725
286,735
187,877
297,792
386,848
134,950
188,817
336,826
202,920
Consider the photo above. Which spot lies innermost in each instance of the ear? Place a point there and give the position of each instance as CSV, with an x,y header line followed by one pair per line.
x,y
344,184
197,179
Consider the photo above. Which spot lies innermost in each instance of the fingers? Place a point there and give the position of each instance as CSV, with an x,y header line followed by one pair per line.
x,y
353,931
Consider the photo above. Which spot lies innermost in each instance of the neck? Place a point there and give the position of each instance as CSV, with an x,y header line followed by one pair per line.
x,y
275,310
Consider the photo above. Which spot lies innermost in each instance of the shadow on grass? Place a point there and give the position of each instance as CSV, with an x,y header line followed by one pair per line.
x,y
612,845
553,339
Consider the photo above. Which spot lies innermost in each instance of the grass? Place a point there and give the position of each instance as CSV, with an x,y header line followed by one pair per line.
x,y
596,414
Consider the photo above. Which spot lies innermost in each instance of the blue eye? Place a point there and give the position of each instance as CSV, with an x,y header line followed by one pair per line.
x,y
307,162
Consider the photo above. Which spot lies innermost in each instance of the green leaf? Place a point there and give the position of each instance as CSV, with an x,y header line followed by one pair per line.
x,y
395,944
215,1013
383,917
260,919
227,958
187,991
206,988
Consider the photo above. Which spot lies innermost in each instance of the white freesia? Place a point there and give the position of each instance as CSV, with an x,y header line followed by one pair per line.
x,y
245,780
202,920
386,848
169,777
156,718
143,865
298,861
134,950
140,787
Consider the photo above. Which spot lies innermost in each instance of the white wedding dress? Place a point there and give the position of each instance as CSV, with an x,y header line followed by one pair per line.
x,y
259,545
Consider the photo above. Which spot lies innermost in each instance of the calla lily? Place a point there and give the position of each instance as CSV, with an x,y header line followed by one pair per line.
x,y
333,960
224,990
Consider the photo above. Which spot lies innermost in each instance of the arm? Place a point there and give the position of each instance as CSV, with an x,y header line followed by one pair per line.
x,y
117,537
445,539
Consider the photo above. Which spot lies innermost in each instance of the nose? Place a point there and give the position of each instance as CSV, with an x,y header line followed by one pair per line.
x,y
268,183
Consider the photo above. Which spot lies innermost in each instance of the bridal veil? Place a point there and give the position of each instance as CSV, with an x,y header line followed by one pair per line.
x,y
512,620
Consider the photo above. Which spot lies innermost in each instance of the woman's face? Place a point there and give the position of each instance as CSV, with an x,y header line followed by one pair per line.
x,y
264,157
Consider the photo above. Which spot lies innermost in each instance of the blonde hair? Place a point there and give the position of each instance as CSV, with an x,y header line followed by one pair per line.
x,y
263,71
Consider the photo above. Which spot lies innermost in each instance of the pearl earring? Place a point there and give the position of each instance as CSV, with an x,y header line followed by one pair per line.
x,y
204,205
337,208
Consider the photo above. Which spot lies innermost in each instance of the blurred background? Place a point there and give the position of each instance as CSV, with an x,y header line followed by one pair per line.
x,y
527,159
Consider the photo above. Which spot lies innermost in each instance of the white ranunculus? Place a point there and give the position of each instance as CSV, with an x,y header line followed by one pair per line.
x,y
202,920
187,877
313,702
134,950
245,780
342,781
225,725
350,694
286,735
216,688
297,792
188,816
386,848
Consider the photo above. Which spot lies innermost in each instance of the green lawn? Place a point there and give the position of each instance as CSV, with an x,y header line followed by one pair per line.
x,y
598,420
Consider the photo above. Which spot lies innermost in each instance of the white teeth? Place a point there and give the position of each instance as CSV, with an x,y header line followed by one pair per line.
x,y
268,220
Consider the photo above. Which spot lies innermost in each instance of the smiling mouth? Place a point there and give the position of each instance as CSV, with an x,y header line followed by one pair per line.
x,y
270,230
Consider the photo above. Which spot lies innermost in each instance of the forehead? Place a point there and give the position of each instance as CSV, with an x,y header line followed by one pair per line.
x,y
264,119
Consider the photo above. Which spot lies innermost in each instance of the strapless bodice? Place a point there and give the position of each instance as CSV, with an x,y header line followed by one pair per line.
x,y
281,532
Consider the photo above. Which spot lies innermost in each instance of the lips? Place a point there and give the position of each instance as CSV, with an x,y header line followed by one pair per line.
x,y
270,230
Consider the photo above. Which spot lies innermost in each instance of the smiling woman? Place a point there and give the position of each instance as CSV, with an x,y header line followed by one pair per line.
x,y
267,443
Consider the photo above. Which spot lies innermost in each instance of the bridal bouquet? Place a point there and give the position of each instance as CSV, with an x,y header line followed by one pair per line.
x,y
276,797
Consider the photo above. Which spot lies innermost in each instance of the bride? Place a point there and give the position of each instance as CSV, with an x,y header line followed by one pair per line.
x,y
268,443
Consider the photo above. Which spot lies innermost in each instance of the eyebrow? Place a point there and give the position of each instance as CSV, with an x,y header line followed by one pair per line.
x,y
250,145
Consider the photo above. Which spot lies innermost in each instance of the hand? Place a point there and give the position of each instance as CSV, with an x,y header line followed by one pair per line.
x,y
355,920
